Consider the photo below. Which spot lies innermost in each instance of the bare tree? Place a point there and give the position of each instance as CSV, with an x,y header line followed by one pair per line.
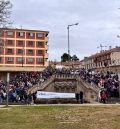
x,y
5,11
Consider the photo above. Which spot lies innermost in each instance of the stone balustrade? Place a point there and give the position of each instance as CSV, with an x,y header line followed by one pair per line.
x,y
62,83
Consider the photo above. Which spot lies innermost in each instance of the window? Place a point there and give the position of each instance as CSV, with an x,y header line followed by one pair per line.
x,y
40,60
30,43
19,59
1,33
9,33
10,42
40,51
20,51
30,60
39,44
20,43
1,50
30,34
9,59
1,42
40,35
0,59
30,51
9,51
20,34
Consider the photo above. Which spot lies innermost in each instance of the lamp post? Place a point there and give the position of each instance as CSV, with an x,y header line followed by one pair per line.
x,y
68,36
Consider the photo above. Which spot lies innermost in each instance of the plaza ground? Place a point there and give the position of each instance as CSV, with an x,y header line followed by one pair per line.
x,y
60,117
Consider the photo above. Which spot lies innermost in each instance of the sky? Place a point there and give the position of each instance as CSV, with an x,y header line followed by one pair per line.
x,y
99,23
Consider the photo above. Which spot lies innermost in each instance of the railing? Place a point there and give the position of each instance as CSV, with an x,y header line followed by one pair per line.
x,y
41,86
65,76
89,85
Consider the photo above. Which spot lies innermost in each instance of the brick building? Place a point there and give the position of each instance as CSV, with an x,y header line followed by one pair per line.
x,y
105,60
23,50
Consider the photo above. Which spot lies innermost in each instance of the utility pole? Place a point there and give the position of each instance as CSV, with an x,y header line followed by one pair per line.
x,y
101,47
68,27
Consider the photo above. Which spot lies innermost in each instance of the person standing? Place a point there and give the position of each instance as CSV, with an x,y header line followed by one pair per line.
x,y
29,97
77,95
81,97
103,96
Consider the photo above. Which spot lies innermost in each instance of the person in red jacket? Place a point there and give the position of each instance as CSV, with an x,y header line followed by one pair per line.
x,y
103,95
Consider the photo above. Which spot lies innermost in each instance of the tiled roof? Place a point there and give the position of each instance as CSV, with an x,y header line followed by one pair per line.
x,y
117,49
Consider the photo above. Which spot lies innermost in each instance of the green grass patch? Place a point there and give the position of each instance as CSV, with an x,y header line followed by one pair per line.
x,y
60,117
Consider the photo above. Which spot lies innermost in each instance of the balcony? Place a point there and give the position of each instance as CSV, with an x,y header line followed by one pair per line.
x,y
46,47
20,69
46,39
46,64
46,55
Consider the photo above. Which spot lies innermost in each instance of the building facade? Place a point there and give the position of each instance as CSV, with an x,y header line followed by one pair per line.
x,y
88,63
23,50
69,64
105,60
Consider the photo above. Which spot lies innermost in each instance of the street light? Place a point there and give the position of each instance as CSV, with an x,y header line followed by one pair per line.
x,y
68,37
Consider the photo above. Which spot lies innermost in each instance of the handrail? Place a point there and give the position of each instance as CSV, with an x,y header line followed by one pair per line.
x,y
41,86
88,85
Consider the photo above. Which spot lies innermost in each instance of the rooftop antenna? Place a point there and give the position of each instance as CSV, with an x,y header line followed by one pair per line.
x,y
101,47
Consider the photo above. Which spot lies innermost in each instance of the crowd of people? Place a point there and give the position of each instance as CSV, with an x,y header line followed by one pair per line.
x,y
19,85
107,82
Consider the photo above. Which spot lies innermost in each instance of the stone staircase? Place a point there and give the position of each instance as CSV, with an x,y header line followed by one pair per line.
x,y
88,85
90,89
42,86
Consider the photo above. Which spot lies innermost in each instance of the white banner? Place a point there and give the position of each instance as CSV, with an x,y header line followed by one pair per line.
x,y
51,95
